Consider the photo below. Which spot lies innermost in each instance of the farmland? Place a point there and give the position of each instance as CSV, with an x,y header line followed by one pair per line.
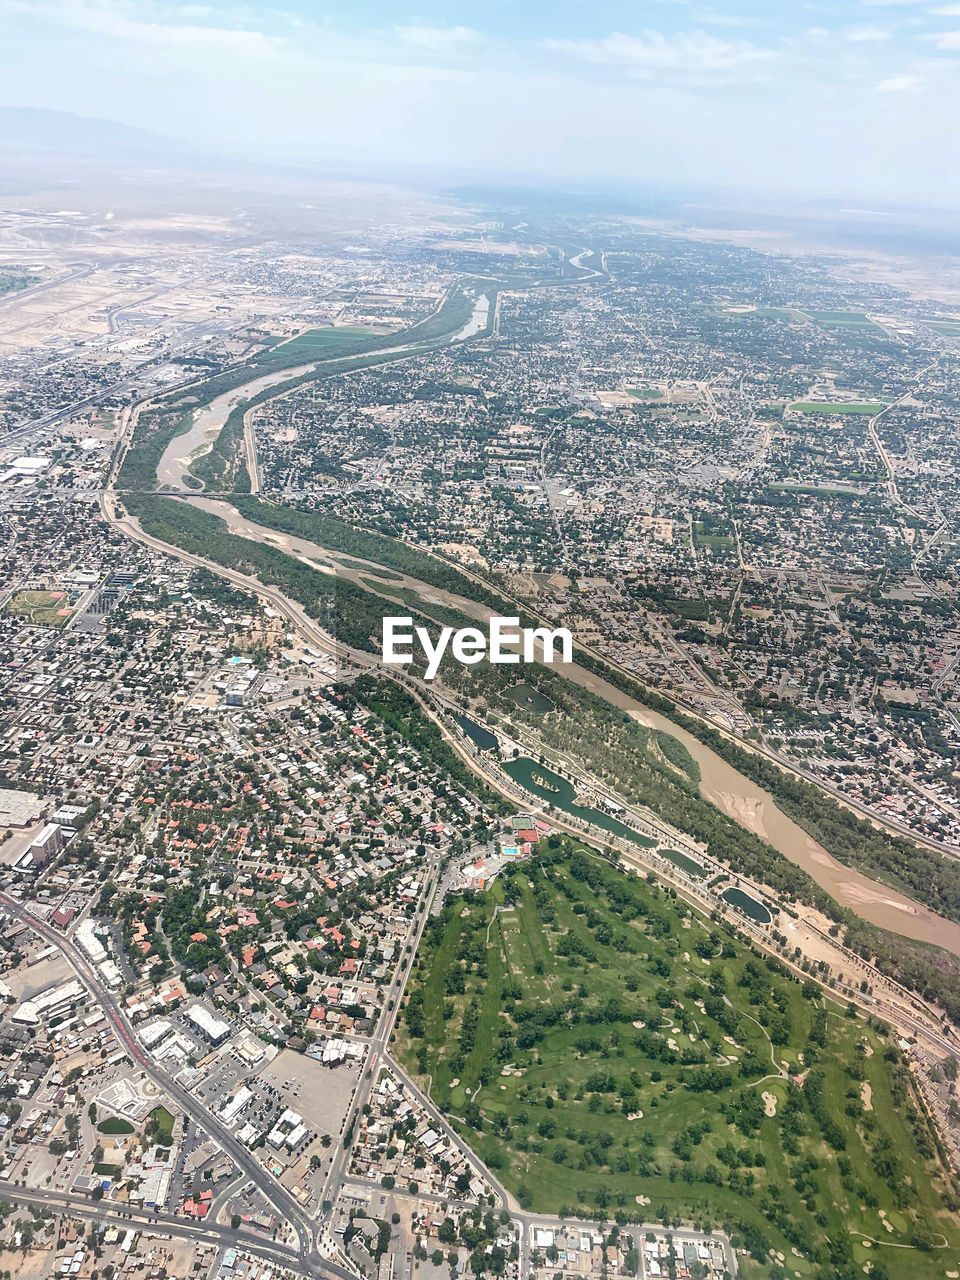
x,y
842,319
317,344
829,406
606,1048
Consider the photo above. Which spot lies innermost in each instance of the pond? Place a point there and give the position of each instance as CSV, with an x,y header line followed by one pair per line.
x,y
749,906
689,865
531,699
484,739
552,787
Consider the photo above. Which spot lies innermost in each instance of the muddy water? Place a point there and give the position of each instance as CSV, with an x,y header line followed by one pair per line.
x,y
732,792
206,426
755,809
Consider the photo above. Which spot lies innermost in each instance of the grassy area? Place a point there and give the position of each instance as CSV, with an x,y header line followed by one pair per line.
x,y
160,1126
842,319
317,344
107,1170
41,608
598,1041
766,313
115,1125
950,328
644,393
825,406
704,536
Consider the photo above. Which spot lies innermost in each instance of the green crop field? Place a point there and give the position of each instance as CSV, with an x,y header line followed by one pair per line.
x,y
317,344
842,319
825,406
42,608
598,1041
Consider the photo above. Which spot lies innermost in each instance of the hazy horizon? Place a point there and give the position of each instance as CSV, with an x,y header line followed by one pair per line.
x,y
849,100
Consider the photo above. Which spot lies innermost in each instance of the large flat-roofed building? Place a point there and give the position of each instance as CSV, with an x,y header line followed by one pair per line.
x,y
20,808
50,1002
208,1024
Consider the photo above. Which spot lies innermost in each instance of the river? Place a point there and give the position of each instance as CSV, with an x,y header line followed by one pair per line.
x,y
206,426
720,783
754,808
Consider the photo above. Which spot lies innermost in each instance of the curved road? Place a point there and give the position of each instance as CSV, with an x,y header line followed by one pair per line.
x,y
286,1206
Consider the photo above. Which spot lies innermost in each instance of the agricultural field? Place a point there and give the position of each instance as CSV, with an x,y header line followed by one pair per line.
x,y
842,319
605,1047
827,406
766,313
315,344
41,608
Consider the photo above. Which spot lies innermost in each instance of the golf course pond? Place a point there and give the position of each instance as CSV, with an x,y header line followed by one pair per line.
x,y
550,786
750,907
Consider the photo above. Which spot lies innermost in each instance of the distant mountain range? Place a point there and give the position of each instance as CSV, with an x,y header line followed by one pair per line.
x,y
25,130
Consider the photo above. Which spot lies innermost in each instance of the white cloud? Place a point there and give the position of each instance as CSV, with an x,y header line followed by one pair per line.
x,y
860,35
949,41
901,84
439,39
120,21
687,57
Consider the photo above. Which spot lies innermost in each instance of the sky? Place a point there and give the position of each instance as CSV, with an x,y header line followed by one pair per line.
x,y
854,99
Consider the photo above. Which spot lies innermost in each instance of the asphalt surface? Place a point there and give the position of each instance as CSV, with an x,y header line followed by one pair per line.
x,y
307,1254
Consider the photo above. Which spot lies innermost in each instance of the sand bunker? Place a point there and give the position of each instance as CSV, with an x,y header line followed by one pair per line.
x,y
769,1103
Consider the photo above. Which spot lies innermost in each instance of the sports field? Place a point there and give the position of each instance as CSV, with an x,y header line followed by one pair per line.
x,y
42,608
604,1048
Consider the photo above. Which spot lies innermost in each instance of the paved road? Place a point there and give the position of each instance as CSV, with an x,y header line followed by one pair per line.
x,y
286,1206
105,1213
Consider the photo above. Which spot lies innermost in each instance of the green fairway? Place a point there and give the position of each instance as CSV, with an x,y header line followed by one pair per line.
x,y
870,409
711,536
842,319
598,1041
